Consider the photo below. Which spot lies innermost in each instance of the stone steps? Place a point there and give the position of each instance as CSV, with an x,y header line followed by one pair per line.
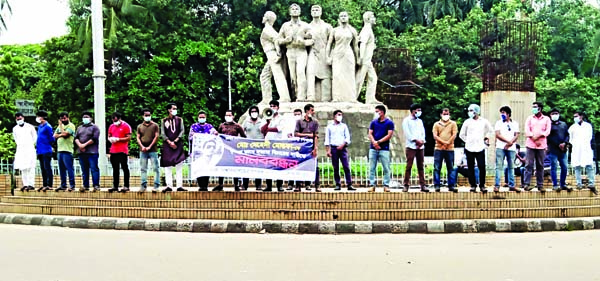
x,y
306,204
308,215
327,195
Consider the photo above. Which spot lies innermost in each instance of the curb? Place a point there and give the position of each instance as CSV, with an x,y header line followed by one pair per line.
x,y
308,227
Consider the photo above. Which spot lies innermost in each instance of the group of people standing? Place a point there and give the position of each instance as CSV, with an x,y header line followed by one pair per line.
x,y
546,137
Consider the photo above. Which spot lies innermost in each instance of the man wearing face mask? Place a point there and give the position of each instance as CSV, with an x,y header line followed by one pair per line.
x,y
119,134
272,130
147,139
381,131
297,116
86,139
444,133
475,133
308,128
173,154
43,148
507,135
582,156
230,128
414,133
64,142
25,138
202,127
337,139
252,127
537,128
557,151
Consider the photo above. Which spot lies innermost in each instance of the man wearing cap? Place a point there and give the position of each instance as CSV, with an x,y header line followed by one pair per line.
x,y
537,129
25,138
557,150
474,132
44,149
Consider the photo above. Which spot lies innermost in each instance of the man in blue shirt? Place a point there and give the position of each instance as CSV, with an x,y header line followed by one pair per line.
x,y
414,133
43,149
380,133
337,139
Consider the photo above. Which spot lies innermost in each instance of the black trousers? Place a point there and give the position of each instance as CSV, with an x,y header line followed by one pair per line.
x,y
202,182
236,181
480,158
119,161
246,181
270,183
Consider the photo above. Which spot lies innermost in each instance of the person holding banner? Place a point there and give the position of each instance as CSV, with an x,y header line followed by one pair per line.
x,y
297,116
202,128
308,128
273,130
230,128
337,139
252,128
173,154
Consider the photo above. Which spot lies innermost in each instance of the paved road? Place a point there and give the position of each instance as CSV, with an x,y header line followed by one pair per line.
x,y
57,254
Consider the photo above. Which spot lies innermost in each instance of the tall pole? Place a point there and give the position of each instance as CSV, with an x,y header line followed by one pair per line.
x,y
229,80
99,77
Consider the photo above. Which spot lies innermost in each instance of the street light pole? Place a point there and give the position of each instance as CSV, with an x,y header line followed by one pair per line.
x,y
99,77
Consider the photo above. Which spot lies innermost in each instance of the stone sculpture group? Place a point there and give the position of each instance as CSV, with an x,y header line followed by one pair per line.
x,y
325,64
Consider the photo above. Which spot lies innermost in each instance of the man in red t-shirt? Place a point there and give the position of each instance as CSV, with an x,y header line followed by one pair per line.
x,y
119,134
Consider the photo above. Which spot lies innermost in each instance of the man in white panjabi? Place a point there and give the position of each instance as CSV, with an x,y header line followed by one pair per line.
x,y
318,72
296,37
582,156
269,39
366,43
25,156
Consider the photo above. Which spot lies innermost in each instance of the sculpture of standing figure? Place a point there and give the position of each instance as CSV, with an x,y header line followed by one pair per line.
x,y
342,58
269,40
296,37
318,72
366,70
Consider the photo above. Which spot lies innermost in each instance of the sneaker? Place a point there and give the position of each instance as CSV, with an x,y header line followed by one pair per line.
x,y
425,189
96,188
527,188
142,189
181,189
350,188
337,188
218,188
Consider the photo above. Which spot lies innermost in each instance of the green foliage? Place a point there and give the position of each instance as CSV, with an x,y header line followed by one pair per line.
x,y
7,145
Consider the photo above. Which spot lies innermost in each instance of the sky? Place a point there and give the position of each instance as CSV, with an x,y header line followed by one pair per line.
x,y
35,21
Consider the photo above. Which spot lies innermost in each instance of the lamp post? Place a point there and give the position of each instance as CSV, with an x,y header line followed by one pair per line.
x,y
99,78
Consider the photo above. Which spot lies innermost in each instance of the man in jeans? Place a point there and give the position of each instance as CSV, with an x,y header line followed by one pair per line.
x,y
507,135
444,133
337,139
308,128
86,139
537,128
474,132
557,150
43,148
414,133
64,142
119,134
147,139
381,130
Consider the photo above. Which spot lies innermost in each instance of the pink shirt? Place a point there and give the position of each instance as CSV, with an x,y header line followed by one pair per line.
x,y
537,126
120,131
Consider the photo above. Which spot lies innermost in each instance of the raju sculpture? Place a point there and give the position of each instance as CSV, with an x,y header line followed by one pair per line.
x,y
324,63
